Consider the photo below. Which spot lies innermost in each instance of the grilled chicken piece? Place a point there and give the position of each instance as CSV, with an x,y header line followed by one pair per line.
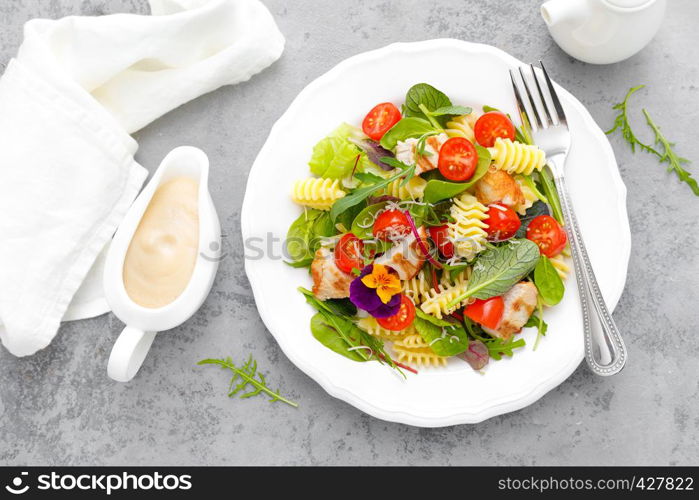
x,y
405,257
405,152
328,281
520,302
497,186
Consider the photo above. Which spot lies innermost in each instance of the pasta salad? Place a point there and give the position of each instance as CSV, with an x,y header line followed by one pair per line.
x,y
430,232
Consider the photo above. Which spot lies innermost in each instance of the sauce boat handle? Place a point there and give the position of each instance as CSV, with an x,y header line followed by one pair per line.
x,y
128,353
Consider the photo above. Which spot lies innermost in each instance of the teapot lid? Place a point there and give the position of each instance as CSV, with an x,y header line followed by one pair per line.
x,y
628,4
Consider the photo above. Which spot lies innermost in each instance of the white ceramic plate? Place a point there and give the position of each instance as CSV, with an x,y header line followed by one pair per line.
x,y
471,74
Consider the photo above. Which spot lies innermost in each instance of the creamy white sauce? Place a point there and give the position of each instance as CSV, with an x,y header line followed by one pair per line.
x,y
163,251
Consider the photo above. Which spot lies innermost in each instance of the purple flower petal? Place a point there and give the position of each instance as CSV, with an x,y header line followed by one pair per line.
x,y
362,296
386,310
366,298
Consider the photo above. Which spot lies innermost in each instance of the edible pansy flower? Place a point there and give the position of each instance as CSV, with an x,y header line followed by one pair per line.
x,y
385,283
377,291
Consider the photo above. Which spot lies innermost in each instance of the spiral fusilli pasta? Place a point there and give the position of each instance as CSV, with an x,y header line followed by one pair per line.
x,y
529,195
413,190
517,158
462,126
317,193
467,232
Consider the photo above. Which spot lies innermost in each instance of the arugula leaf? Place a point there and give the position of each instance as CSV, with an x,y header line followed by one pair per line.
x,y
668,155
537,320
523,133
497,269
497,348
432,319
537,209
348,332
245,377
551,193
437,190
368,177
548,282
361,194
424,96
442,340
621,122
405,129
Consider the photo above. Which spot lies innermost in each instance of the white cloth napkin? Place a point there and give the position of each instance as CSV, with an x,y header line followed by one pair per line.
x,y
68,101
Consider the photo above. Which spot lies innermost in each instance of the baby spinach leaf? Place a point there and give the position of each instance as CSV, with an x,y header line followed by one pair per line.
x,y
537,209
405,129
451,110
443,341
548,282
426,96
437,190
498,268
363,223
328,334
346,332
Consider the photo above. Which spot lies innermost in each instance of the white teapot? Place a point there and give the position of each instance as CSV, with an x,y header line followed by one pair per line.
x,y
603,31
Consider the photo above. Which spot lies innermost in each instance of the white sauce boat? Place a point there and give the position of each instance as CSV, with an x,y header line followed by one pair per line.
x,y
603,31
143,323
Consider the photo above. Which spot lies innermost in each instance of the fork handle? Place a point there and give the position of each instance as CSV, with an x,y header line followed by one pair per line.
x,y
605,351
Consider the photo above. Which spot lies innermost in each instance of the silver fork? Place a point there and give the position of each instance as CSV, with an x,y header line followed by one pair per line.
x,y
604,348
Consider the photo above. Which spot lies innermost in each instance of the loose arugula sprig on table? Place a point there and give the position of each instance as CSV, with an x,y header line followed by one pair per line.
x,y
667,155
247,377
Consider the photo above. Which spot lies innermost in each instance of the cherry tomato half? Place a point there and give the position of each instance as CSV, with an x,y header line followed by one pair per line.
x,y
458,159
502,222
492,125
391,225
348,253
487,312
440,236
546,232
402,319
381,118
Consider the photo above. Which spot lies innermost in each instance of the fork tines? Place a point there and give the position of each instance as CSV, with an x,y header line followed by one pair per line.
x,y
535,98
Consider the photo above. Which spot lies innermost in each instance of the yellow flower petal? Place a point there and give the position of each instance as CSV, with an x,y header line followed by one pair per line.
x,y
371,281
384,294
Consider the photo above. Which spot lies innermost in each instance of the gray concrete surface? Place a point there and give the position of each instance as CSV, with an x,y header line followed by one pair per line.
x,y
58,407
